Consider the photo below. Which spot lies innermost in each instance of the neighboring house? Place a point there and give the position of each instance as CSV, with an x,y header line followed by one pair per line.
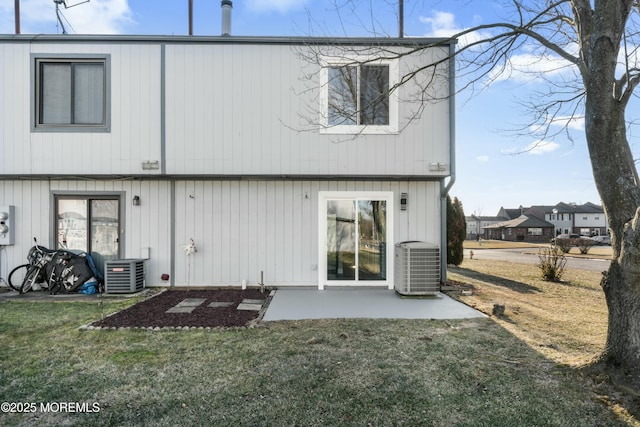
x,y
560,215
524,228
542,222
130,146
511,213
586,220
590,220
477,224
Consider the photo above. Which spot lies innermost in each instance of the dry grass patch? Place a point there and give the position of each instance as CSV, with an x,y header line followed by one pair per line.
x,y
498,244
565,321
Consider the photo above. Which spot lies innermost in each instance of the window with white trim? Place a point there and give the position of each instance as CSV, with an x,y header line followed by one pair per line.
x,y
71,93
359,98
355,238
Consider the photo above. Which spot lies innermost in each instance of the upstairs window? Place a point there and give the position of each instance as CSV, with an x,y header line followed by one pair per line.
x,y
358,98
71,93
359,95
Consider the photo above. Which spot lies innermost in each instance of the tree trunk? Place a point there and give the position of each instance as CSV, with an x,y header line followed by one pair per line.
x,y
617,182
623,301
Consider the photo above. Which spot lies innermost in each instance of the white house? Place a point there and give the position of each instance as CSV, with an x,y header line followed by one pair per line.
x,y
587,219
476,224
590,220
130,146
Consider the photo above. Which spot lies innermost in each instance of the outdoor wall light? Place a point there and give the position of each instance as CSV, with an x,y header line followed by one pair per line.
x,y
136,201
403,201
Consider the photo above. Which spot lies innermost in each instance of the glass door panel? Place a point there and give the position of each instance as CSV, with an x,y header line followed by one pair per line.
x,y
89,224
341,240
361,255
372,231
72,224
104,230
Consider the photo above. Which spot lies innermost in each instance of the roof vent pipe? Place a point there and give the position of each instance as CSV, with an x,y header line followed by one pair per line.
x,y
17,16
226,17
190,17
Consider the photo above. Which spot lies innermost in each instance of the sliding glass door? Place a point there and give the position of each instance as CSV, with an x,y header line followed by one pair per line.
x,y
89,224
355,237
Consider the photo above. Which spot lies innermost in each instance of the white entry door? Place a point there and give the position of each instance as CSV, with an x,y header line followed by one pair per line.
x,y
356,238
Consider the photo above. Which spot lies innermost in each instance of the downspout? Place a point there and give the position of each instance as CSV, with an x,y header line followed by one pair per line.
x,y
163,164
444,188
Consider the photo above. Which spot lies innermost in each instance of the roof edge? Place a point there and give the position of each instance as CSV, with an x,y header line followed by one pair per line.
x,y
290,40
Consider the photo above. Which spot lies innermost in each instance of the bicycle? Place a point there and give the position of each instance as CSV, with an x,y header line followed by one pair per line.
x,y
23,277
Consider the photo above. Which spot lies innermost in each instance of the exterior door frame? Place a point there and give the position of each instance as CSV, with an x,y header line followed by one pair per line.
x,y
323,197
120,195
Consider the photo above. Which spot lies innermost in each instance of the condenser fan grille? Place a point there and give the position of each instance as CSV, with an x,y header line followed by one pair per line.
x,y
417,268
124,275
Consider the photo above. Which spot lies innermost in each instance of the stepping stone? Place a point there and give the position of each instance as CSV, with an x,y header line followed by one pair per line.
x,y
220,304
191,302
249,306
252,301
186,305
180,309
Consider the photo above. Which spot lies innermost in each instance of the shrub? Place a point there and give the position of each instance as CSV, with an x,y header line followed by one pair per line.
x,y
584,244
456,231
564,245
552,263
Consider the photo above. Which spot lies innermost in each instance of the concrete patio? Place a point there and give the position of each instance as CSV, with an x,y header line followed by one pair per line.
x,y
299,304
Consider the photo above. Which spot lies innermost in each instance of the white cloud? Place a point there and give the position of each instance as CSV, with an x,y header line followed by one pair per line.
x,y
100,17
542,147
94,17
535,148
281,6
443,24
524,66
527,67
575,123
482,159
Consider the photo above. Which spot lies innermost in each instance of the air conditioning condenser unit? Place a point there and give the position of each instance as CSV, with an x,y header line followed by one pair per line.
x,y
417,268
123,276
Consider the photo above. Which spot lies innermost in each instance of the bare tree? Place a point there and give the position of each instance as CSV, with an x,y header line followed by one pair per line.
x,y
595,44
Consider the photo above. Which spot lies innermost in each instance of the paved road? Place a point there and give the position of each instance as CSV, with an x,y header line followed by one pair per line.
x,y
528,256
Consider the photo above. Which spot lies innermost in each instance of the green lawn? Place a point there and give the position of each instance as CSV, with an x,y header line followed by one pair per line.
x,y
330,372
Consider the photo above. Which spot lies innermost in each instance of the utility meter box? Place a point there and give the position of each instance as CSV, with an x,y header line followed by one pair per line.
x,y
7,225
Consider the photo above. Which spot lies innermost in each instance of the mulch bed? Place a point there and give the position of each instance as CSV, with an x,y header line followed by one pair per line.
x,y
151,313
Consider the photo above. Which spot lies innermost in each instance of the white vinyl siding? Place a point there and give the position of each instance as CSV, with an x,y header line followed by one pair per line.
x,y
135,132
246,110
212,92
240,227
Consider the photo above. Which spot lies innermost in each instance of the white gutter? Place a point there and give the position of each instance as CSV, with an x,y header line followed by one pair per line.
x,y
444,189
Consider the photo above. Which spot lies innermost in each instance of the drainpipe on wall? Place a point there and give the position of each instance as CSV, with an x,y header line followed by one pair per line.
x,y
444,189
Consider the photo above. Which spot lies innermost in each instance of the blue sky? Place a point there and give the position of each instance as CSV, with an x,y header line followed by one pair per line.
x,y
489,175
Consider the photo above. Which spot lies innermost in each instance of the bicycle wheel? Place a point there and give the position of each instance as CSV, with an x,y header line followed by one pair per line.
x,y
17,275
30,278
